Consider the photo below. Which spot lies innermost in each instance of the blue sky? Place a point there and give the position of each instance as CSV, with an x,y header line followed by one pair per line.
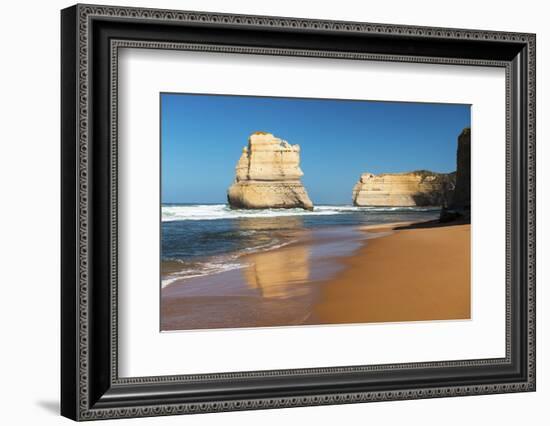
x,y
202,137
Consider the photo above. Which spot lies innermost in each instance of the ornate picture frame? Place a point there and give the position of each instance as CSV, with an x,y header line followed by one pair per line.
x,y
91,37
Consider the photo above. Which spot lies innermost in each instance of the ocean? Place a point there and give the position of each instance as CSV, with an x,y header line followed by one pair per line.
x,y
203,239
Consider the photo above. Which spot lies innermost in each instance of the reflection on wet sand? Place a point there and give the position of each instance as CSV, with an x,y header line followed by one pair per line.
x,y
270,223
278,273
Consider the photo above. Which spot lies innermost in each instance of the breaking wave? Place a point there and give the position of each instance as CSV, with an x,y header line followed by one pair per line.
x,y
172,212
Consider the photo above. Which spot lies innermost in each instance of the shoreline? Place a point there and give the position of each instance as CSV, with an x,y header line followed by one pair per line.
x,y
351,274
298,238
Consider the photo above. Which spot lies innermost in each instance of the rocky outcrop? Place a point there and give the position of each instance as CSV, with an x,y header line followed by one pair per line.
x,y
417,188
268,175
459,207
461,198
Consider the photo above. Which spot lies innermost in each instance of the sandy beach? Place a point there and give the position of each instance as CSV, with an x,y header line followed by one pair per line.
x,y
377,273
416,273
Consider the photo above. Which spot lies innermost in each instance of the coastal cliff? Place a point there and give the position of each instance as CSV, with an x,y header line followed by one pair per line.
x,y
268,175
461,198
417,188
459,207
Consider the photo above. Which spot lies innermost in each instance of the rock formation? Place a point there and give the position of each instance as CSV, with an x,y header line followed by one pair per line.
x,y
268,175
459,207
461,198
417,188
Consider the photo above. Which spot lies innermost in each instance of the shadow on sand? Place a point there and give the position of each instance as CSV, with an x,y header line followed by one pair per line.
x,y
434,224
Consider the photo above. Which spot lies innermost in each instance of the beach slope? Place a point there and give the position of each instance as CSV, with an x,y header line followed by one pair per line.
x,y
419,272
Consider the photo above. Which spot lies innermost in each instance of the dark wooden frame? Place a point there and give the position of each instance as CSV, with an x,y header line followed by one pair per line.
x,y
90,386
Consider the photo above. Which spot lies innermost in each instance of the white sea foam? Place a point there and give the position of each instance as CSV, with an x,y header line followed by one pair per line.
x,y
200,271
222,211
219,264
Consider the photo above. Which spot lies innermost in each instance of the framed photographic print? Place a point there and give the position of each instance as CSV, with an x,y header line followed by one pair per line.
x,y
263,212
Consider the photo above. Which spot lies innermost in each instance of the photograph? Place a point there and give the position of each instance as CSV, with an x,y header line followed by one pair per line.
x,y
279,211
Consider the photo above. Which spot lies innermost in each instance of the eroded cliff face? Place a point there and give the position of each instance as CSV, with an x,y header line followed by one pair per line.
x,y
461,199
268,175
418,188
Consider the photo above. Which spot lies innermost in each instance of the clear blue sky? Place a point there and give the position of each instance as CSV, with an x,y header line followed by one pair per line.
x,y
202,137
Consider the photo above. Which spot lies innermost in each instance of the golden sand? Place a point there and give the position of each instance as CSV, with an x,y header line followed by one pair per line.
x,y
416,273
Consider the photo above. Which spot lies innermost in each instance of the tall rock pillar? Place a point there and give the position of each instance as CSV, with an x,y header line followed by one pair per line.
x,y
268,176
462,191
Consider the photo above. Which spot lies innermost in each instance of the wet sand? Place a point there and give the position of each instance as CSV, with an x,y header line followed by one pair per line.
x,y
381,273
277,287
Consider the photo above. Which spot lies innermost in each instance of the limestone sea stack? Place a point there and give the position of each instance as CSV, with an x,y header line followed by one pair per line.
x,y
417,188
268,176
